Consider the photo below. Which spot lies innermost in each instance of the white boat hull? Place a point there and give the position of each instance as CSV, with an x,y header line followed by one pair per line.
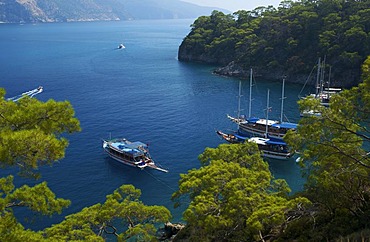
x,y
273,151
141,164
121,161
276,156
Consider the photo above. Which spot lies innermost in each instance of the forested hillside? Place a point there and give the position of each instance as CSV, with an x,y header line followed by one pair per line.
x,y
285,41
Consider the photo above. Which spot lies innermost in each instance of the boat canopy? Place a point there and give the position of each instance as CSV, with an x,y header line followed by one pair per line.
x,y
264,141
268,121
136,144
130,148
240,137
285,125
258,140
253,120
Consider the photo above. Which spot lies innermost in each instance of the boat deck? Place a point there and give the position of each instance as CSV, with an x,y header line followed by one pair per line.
x,y
130,153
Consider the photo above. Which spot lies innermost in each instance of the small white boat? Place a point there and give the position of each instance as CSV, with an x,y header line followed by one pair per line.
x,y
134,154
121,46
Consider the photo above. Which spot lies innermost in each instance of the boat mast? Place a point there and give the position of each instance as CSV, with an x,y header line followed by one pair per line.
x,y
267,112
318,77
329,78
250,94
282,100
239,97
322,76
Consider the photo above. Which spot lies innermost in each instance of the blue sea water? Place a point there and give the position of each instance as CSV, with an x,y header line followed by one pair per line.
x,y
141,93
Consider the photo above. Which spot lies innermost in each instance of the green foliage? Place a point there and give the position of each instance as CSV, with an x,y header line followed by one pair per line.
x,y
38,199
276,38
11,230
30,132
362,235
334,153
31,136
234,197
245,155
99,220
211,37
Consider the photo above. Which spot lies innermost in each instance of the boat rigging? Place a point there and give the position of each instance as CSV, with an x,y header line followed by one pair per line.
x,y
275,149
253,126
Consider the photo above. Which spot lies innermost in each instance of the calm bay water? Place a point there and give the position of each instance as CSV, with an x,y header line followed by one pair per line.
x,y
141,93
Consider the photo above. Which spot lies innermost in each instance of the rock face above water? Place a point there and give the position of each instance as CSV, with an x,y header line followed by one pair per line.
x,y
169,232
235,70
33,11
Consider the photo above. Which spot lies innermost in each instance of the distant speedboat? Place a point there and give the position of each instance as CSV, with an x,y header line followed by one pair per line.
x,y
30,93
121,46
134,154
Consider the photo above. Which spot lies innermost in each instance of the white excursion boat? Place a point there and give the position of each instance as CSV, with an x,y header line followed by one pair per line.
x,y
134,154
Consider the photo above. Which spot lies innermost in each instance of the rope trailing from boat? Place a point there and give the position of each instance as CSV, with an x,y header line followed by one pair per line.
x,y
159,180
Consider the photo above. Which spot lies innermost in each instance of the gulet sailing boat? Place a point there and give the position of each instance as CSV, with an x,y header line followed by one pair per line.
x,y
275,149
253,126
323,94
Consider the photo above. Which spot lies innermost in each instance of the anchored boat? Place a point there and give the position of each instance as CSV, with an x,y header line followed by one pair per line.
x,y
270,148
276,149
134,154
323,94
233,138
258,127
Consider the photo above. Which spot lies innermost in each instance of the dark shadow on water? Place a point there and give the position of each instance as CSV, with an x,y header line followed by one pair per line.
x,y
288,170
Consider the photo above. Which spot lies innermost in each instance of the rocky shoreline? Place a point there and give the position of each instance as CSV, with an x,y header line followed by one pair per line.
x,y
235,70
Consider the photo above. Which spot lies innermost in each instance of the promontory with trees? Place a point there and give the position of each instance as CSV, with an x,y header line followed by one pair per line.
x,y
287,40
233,195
